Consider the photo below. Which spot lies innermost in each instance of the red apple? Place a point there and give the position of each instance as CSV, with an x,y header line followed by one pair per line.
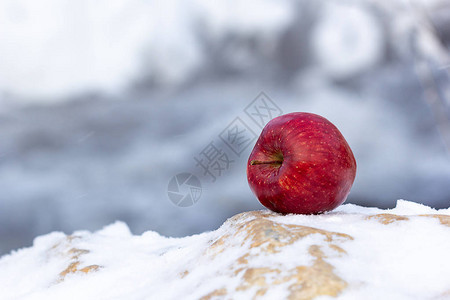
x,y
301,164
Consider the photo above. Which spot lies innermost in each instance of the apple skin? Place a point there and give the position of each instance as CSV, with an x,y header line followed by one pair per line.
x,y
301,164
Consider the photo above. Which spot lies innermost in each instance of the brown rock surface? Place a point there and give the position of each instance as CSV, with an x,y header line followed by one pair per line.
x,y
65,248
270,237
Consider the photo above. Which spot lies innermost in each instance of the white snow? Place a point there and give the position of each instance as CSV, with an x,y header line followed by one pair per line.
x,y
53,50
402,260
50,50
347,40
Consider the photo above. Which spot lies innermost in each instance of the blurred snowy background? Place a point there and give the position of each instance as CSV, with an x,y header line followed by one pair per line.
x,y
102,102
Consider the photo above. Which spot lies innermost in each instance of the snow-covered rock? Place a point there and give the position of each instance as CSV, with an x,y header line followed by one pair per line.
x,y
350,253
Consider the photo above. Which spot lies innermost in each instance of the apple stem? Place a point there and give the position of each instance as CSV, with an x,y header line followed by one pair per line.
x,y
270,162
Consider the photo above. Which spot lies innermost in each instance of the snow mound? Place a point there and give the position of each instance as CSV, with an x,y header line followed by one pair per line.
x,y
350,253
